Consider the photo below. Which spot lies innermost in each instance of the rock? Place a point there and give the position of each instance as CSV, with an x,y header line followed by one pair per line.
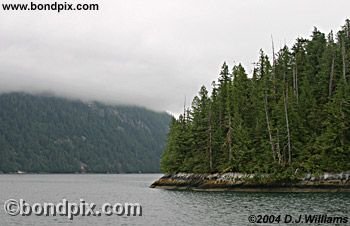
x,y
308,176
246,182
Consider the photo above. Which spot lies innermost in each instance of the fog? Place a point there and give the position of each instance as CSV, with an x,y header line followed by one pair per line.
x,y
148,53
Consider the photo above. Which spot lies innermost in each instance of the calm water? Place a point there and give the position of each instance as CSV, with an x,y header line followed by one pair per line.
x,y
160,207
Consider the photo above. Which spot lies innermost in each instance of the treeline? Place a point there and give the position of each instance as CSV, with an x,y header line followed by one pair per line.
x,y
291,115
55,135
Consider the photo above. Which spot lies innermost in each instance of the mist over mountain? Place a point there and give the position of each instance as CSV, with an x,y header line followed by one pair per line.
x,y
142,53
43,133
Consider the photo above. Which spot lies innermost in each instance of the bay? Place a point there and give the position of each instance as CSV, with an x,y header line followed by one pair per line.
x,y
159,207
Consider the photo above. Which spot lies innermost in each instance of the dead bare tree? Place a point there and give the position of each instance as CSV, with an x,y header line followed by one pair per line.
x,y
269,129
344,63
296,82
287,125
285,100
280,160
273,66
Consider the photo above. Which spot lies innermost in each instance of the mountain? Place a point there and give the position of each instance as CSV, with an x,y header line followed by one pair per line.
x,y
56,135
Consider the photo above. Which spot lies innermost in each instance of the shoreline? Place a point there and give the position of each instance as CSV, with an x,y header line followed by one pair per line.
x,y
327,182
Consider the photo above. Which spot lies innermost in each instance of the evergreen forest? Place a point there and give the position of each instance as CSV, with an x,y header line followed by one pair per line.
x,y
47,134
292,114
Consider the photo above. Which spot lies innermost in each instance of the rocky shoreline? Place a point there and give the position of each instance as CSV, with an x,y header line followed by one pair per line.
x,y
326,182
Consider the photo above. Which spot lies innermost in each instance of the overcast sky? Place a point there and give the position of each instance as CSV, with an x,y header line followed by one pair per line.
x,y
146,52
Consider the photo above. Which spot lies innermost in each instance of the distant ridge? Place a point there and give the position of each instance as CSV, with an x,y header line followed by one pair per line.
x,y
47,134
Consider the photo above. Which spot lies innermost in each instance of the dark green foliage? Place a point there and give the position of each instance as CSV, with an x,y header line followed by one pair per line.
x,y
292,116
49,134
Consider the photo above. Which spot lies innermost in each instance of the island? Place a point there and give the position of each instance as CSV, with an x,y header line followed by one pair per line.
x,y
284,127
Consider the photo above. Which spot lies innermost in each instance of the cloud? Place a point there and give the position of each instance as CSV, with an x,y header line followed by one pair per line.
x,y
148,53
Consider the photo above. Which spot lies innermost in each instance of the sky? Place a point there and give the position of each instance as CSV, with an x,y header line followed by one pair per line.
x,y
153,53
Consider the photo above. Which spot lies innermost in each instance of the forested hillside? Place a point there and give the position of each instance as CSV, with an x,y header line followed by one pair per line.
x,y
50,134
292,114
